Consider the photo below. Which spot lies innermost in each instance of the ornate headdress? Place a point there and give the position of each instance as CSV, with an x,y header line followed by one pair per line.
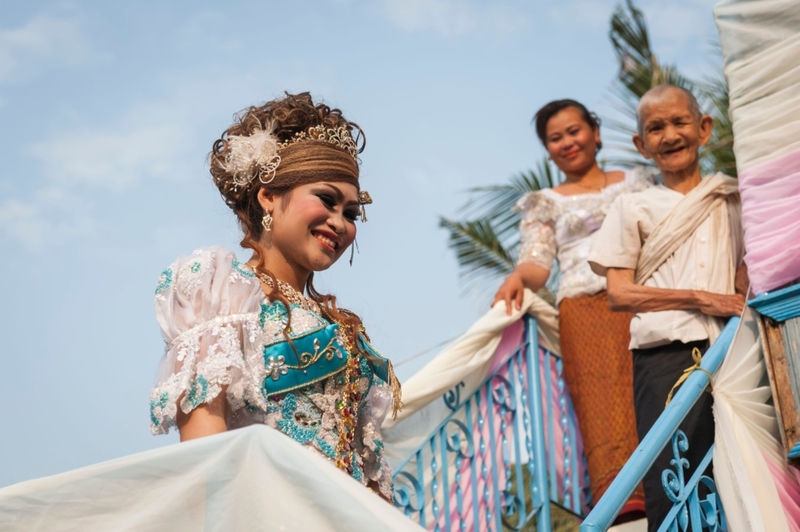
x,y
260,152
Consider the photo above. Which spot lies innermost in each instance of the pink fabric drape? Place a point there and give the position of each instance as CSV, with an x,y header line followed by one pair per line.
x,y
771,217
787,481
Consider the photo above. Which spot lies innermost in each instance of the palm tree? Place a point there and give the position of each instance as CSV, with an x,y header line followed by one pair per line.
x,y
486,240
639,71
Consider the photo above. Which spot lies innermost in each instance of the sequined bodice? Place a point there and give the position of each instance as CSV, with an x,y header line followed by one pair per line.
x,y
561,227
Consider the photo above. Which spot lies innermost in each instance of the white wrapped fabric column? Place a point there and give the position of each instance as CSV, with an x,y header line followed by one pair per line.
x,y
761,49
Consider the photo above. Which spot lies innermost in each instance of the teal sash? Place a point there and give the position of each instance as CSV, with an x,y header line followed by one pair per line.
x,y
315,357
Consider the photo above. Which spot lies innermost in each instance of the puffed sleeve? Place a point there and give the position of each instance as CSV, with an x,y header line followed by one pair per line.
x,y
536,230
617,243
207,305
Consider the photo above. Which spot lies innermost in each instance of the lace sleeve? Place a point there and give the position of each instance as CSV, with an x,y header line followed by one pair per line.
x,y
536,230
207,306
377,404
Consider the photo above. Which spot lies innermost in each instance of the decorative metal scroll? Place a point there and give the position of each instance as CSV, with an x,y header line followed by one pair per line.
x,y
690,511
502,455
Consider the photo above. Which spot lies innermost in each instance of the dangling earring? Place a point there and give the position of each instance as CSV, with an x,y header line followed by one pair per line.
x,y
266,222
353,249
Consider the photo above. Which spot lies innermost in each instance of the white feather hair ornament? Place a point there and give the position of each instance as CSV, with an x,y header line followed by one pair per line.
x,y
251,155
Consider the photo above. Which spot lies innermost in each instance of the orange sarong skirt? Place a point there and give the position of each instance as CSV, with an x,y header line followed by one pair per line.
x,y
598,368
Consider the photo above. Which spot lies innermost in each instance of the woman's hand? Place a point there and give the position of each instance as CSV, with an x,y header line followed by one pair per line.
x,y
525,275
512,289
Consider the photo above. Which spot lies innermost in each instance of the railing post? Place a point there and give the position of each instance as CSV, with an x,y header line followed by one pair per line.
x,y
537,428
660,434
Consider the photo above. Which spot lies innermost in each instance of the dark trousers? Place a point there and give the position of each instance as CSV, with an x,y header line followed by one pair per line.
x,y
655,371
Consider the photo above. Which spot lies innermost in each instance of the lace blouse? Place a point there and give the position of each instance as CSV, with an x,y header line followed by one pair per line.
x,y
560,227
220,331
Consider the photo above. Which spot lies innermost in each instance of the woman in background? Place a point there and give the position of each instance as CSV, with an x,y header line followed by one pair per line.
x,y
558,224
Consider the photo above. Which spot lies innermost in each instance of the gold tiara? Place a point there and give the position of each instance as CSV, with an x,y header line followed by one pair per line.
x,y
339,137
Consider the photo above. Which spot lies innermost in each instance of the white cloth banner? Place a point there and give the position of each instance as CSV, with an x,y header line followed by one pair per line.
x,y
245,480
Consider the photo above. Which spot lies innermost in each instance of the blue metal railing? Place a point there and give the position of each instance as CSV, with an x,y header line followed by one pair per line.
x,y
688,509
502,454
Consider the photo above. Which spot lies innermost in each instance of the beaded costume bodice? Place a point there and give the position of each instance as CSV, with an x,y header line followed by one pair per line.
x,y
224,336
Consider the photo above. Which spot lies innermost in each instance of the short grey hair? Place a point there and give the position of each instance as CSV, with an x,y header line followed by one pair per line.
x,y
658,92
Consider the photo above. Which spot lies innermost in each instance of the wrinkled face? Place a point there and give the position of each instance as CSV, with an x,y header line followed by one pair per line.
x,y
570,141
671,134
314,224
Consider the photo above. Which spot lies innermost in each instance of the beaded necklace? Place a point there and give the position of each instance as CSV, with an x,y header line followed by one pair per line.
x,y
292,296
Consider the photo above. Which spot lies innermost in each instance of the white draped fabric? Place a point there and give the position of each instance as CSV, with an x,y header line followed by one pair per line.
x,y
467,360
246,480
761,49
759,490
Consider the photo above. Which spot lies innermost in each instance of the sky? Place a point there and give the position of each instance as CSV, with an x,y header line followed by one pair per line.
x,y
108,112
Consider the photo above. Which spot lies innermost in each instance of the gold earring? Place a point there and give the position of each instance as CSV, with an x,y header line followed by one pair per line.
x,y
266,222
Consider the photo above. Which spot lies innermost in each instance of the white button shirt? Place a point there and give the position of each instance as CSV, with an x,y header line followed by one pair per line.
x,y
630,221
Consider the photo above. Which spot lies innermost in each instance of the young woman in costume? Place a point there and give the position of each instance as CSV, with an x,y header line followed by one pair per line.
x,y
558,225
254,342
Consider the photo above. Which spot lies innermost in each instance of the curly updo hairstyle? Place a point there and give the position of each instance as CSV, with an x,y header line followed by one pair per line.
x,y
548,111
303,162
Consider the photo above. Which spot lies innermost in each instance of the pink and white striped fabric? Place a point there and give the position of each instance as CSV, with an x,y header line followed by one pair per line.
x,y
771,217
761,49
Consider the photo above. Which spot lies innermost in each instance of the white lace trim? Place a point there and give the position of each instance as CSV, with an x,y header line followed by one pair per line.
x,y
216,322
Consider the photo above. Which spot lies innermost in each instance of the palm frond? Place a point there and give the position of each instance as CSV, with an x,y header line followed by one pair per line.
x,y
478,250
493,201
486,239
718,155
639,68
639,71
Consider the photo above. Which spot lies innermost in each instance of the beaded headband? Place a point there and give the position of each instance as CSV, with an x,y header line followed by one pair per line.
x,y
261,148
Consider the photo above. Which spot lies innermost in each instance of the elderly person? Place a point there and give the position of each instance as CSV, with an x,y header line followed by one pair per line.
x,y
672,255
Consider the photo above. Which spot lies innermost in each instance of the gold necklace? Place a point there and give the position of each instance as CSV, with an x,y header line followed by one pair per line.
x,y
605,184
292,296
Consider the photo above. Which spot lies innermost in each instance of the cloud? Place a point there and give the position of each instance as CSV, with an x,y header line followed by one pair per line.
x,y
593,14
149,141
674,24
42,41
51,215
115,157
453,18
